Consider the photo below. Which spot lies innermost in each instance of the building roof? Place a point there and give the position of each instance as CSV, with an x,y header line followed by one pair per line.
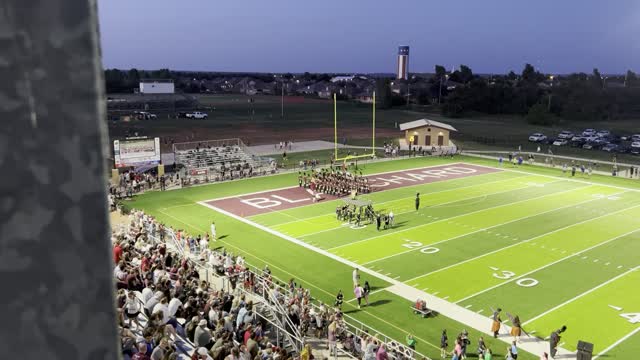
x,y
425,122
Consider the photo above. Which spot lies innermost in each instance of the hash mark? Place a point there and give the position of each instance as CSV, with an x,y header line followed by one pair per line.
x,y
468,306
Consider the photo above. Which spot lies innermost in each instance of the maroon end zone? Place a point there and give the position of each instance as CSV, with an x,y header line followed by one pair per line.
x,y
275,200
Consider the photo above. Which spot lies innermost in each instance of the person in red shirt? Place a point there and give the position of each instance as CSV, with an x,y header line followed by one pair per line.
x,y
117,253
142,353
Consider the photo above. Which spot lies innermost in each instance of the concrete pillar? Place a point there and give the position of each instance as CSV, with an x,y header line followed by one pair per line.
x,y
55,262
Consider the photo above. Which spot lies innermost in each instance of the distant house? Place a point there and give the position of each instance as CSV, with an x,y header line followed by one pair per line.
x,y
426,132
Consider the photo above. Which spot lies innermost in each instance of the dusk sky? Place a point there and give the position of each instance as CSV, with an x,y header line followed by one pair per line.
x,y
491,36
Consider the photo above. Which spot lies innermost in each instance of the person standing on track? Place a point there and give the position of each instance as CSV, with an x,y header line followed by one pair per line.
x,y
367,291
495,326
356,278
213,231
359,294
444,344
417,201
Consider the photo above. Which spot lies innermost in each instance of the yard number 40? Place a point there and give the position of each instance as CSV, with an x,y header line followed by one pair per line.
x,y
633,318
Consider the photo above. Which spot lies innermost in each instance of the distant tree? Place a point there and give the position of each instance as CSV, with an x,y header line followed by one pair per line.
x,y
440,72
512,76
596,79
383,94
466,75
538,115
530,76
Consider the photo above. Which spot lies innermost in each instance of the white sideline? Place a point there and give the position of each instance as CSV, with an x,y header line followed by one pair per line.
x,y
455,312
584,293
546,266
617,343
484,229
559,177
465,214
520,243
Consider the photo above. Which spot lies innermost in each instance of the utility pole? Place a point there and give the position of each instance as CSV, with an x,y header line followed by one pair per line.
x,y
282,101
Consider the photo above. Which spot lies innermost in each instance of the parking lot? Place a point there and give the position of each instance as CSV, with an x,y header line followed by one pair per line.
x,y
591,139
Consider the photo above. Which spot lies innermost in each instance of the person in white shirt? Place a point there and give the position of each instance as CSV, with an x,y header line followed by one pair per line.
x,y
132,309
356,278
391,218
174,305
213,231
204,243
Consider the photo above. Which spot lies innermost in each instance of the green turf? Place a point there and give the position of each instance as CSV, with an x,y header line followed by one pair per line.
x,y
525,227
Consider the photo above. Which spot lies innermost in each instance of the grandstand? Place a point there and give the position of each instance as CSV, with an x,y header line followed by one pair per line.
x,y
218,160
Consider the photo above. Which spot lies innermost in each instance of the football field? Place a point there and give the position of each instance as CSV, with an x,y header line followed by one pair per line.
x,y
551,249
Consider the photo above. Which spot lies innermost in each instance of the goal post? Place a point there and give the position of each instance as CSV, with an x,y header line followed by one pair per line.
x,y
335,133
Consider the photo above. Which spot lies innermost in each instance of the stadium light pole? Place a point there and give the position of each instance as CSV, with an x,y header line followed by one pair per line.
x,y
335,128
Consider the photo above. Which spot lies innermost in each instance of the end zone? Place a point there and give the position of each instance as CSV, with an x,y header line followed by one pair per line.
x,y
281,199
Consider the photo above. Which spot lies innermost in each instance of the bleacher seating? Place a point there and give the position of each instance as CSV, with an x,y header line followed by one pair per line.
x,y
217,160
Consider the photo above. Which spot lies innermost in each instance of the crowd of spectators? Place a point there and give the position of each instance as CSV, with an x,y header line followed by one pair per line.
x,y
165,309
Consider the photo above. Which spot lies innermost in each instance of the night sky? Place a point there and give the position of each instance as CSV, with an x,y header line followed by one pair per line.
x,y
490,36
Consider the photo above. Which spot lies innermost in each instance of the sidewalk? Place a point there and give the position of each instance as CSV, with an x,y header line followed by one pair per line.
x,y
476,321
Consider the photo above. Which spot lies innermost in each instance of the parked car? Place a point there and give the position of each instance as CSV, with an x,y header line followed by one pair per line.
x,y
595,144
577,141
635,145
537,137
589,132
143,115
610,147
561,142
635,137
622,149
197,115
565,135
603,133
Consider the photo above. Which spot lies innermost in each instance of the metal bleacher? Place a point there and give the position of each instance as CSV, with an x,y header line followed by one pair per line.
x,y
217,160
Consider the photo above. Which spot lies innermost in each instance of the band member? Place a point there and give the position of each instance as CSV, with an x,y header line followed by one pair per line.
x,y
378,222
554,340
417,201
516,331
495,327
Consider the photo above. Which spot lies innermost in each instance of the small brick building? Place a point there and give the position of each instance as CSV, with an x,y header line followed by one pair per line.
x,y
425,132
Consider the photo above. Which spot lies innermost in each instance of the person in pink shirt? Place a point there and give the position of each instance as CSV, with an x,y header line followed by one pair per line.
x,y
359,293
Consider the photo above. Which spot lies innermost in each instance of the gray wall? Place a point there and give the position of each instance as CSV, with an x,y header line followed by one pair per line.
x,y
55,262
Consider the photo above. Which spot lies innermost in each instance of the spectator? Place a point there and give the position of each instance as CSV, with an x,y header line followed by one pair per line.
x,y
202,335
142,353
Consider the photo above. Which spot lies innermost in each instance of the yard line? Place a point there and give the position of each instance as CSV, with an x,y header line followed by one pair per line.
x,y
455,217
550,264
480,230
617,343
435,218
405,198
468,306
581,295
519,243
445,308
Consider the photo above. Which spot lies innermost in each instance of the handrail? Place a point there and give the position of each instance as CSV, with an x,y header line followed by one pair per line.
x,y
358,326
